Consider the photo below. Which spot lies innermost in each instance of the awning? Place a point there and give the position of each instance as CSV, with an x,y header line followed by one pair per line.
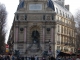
x,y
63,54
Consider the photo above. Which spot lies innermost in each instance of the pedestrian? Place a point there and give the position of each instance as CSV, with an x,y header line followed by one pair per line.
x,y
8,57
52,58
69,58
32,58
43,58
13,57
22,58
77,58
36,58
1,57
58,58
26,58
49,58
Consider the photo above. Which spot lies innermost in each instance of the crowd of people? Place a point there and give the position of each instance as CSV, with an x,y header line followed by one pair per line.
x,y
76,57
13,57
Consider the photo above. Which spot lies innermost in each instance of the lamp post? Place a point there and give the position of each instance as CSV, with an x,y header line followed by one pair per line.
x,y
49,50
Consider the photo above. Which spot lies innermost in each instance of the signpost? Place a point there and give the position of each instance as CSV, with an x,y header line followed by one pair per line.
x,y
7,48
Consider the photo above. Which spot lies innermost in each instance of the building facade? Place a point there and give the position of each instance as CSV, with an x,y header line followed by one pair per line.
x,y
43,27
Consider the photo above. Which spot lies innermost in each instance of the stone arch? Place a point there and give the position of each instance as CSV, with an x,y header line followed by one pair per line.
x,y
33,28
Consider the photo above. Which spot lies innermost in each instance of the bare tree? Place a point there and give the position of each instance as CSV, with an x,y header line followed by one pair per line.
x,y
3,15
77,19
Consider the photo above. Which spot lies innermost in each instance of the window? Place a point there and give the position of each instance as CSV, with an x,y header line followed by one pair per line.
x,y
58,40
64,30
58,47
61,39
52,17
62,19
61,29
43,17
60,12
68,15
17,17
58,18
56,10
58,28
66,21
25,17
63,13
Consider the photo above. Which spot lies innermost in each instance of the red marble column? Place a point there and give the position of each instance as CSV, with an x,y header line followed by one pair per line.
x,y
43,34
52,39
16,34
52,36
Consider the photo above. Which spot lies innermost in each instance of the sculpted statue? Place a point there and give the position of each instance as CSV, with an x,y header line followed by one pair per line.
x,y
35,36
35,46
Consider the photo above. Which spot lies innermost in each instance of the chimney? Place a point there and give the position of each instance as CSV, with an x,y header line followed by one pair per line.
x,y
67,7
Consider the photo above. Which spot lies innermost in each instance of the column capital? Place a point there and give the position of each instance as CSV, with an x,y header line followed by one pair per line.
x,y
53,26
25,26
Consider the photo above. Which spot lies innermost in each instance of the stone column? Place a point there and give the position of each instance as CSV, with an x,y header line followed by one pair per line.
x,y
52,36
43,37
16,34
43,34
52,39
25,34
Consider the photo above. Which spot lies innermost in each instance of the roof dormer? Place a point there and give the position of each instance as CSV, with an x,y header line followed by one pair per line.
x,y
60,2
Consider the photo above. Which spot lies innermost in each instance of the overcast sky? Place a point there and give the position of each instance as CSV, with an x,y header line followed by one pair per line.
x,y
11,6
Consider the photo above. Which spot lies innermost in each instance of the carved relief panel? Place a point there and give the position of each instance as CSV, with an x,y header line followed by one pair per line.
x,y
48,17
34,17
22,17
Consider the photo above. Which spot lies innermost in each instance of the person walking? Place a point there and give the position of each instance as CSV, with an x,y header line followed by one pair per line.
x,y
13,57
77,58
52,58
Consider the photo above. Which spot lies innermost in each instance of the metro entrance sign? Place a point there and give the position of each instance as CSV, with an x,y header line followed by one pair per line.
x,y
7,46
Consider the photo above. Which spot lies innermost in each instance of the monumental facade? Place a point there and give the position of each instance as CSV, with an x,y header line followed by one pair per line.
x,y
42,27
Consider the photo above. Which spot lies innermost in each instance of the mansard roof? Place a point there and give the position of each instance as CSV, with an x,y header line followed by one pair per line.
x,y
63,9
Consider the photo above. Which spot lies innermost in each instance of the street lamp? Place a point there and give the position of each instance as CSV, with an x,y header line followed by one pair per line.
x,y
49,50
49,42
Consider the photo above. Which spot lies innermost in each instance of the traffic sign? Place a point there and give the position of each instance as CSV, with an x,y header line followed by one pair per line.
x,y
7,46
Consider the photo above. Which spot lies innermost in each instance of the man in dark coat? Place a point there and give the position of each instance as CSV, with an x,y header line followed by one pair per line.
x,y
32,58
52,58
